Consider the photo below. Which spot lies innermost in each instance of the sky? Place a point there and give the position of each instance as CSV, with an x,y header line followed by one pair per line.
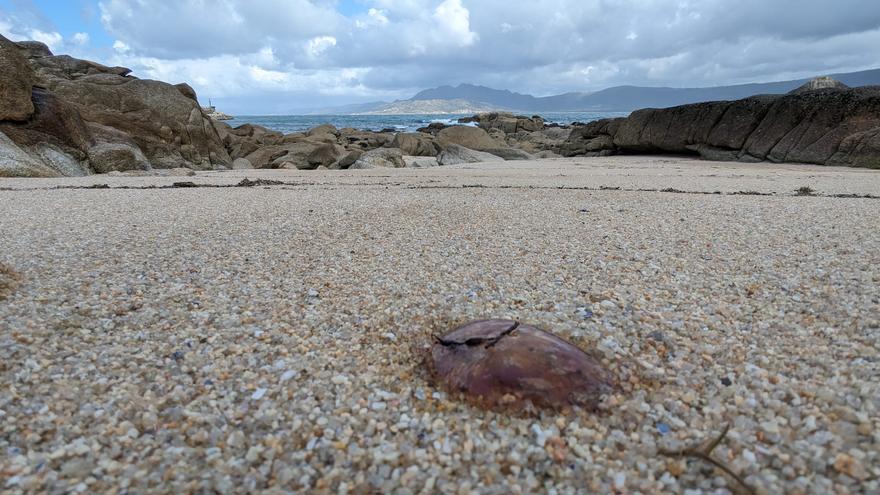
x,y
280,56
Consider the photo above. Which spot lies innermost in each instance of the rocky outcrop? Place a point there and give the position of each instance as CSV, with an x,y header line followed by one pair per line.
x,y
75,117
469,137
416,144
212,113
455,154
420,161
15,162
363,140
824,82
836,126
380,158
16,81
507,122
510,154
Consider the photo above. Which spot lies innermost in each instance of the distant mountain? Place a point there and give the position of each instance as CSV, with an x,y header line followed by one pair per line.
x,y
352,109
616,99
492,97
628,98
433,106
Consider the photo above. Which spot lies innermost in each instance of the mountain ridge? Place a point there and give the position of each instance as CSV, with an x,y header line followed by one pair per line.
x,y
614,99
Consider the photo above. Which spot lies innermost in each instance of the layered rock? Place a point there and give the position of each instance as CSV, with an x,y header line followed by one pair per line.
x,y
75,117
831,126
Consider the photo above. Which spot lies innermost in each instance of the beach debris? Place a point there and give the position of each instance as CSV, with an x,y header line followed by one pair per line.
x,y
512,365
703,451
259,182
805,191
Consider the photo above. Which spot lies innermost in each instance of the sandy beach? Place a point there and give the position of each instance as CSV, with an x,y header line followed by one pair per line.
x,y
270,337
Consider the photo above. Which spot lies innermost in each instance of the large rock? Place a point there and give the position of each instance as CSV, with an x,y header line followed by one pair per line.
x,y
55,122
168,127
380,158
420,161
118,157
507,122
469,137
60,161
349,159
34,49
534,142
455,154
15,162
293,154
416,144
826,126
363,140
256,133
824,82
242,164
16,81
323,130
510,154
324,156
50,107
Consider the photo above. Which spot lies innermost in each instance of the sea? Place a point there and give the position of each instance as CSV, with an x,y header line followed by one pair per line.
x,y
401,123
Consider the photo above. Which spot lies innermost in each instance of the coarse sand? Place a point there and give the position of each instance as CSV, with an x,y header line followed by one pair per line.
x,y
270,338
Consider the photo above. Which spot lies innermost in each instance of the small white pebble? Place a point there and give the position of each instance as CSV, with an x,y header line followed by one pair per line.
x,y
619,481
258,394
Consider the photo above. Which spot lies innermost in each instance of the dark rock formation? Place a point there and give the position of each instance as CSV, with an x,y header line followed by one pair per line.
x,y
75,117
834,126
16,81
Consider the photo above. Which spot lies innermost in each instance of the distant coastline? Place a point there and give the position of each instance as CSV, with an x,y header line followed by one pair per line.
x,y
399,122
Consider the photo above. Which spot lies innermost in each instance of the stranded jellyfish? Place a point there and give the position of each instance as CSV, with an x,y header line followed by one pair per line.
x,y
505,363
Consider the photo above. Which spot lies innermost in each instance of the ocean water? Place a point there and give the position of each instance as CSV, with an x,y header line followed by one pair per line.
x,y
402,123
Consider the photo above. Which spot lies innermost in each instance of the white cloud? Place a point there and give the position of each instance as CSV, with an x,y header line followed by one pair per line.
x,y
80,39
269,77
121,46
5,27
53,40
378,16
242,47
454,20
320,44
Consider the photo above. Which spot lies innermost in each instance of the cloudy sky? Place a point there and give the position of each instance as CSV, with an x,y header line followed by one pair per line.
x,y
277,56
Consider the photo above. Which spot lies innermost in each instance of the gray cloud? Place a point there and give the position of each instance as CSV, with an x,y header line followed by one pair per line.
x,y
236,48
